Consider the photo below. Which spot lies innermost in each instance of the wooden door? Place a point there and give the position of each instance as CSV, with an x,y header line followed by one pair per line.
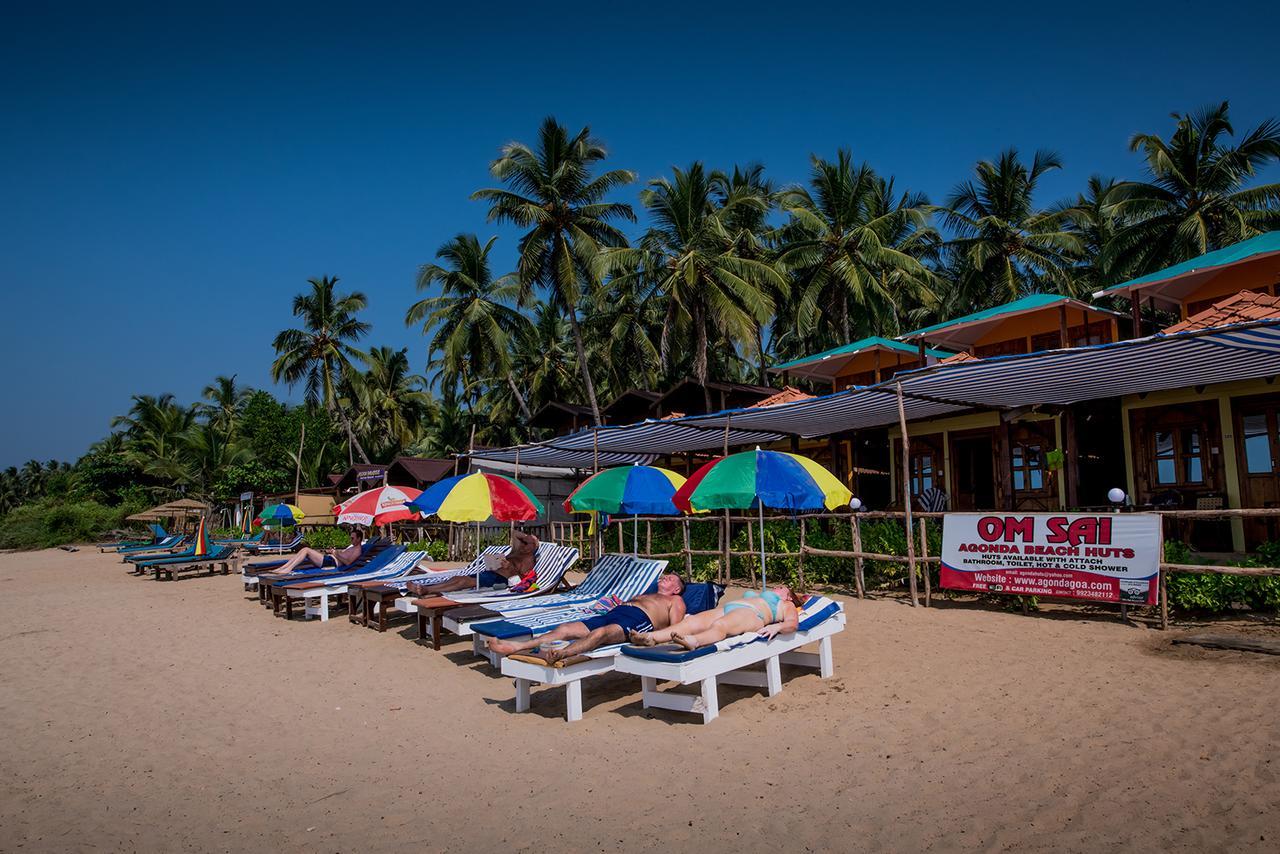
x,y
973,470
1258,449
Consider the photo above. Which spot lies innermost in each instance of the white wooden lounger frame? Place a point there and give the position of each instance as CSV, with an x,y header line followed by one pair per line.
x,y
708,671
315,600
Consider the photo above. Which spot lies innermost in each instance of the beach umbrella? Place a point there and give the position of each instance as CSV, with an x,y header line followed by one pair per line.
x,y
379,506
279,516
201,546
762,479
632,490
478,497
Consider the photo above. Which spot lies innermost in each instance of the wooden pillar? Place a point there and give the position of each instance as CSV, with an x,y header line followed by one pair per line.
x,y
1004,474
800,560
751,547
1070,458
688,558
855,525
1135,307
924,552
906,494
1064,340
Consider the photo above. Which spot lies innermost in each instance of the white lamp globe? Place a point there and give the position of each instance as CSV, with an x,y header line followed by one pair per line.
x,y
1116,495
855,503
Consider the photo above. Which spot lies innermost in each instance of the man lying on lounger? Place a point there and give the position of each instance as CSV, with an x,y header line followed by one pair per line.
x,y
509,570
645,613
316,558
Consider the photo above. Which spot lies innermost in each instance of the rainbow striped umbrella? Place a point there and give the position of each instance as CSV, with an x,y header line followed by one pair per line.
x,y
478,497
633,490
762,479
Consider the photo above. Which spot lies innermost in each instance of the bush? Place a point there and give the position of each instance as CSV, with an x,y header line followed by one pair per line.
x,y
436,549
54,522
1215,593
327,537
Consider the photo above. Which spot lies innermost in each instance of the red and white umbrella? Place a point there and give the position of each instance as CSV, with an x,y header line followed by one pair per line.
x,y
378,506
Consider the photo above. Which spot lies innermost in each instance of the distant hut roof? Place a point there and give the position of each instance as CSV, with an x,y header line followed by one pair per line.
x,y
418,472
789,394
1237,308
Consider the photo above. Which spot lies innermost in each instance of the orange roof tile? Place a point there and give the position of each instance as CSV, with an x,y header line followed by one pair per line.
x,y
1238,308
787,395
958,358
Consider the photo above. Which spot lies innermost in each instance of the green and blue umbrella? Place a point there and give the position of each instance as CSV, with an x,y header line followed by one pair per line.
x,y
759,479
631,490
279,516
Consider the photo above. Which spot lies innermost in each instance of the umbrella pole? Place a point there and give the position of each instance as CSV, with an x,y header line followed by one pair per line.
x,y
763,585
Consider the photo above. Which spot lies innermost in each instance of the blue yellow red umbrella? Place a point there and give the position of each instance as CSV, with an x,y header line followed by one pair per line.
x,y
478,497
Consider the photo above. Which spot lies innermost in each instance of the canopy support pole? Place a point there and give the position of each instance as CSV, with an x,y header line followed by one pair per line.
x,y
728,526
906,494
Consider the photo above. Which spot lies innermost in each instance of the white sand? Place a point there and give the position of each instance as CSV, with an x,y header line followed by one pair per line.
x,y
142,715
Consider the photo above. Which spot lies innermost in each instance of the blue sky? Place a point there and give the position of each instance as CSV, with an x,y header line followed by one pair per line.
x,y
172,175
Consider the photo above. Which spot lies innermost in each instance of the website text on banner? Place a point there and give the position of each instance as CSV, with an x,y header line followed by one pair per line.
x,y
1106,558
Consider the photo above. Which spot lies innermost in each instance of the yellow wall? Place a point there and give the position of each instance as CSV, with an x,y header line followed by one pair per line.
x,y
866,361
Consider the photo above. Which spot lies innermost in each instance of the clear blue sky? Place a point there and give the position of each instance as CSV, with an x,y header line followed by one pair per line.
x,y
172,175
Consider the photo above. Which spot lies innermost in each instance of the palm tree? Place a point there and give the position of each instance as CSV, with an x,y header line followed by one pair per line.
x,y
1196,198
853,247
712,294
320,353
621,332
224,401
1093,216
552,192
473,319
154,428
1002,240
391,403
747,197
207,451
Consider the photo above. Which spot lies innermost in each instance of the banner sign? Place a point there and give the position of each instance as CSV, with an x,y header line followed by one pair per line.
x,y
371,474
1105,558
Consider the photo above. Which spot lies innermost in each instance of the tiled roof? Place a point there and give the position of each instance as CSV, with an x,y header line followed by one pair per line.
x,y
958,358
1238,308
787,395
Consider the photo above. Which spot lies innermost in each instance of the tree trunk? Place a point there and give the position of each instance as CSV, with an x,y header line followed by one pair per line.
x,y
352,441
582,364
764,374
524,407
844,317
700,355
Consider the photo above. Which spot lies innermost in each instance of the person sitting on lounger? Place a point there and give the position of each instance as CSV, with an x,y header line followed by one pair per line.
x,y
500,570
644,613
771,612
318,558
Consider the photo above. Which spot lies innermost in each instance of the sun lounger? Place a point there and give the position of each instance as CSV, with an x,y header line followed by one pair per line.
x,y
820,619
371,599
223,555
252,571
552,563
220,553
271,589
314,595
614,576
173,541
530,669
277,548
158,535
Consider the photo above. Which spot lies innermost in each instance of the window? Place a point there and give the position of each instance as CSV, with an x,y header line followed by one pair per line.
x,y
1028,467
1003,348
1257,444
1179,456
921,472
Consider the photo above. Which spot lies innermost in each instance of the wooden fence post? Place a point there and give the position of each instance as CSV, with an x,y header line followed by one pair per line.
x,y
751,547
855,524
728,547
688,558
1164,583
800,561
924,552
906,495
648,537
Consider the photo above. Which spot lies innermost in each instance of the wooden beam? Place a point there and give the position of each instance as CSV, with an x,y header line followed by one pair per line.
x,y
906,492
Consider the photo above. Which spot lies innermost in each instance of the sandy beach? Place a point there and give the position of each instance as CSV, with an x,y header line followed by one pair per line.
x,y
179,716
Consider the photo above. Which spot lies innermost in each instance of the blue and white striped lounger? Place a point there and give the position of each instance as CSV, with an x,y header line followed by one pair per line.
x,y
315,595
820,619
623,576
552,563
474,568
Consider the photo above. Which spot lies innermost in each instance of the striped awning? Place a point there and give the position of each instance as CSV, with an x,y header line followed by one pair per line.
x,y
1052,377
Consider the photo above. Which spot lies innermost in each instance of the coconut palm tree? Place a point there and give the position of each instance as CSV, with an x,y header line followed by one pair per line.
x,y
391,403
224,400
750,232
320,353
712,294
551,191
473,320
154,428
853,248
544,355
206,451
1197,196
1003,240
1093,216
621,331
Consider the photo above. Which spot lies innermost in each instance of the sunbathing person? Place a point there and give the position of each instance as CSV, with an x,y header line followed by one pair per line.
x,y
317,558
646,612
772,612
509,569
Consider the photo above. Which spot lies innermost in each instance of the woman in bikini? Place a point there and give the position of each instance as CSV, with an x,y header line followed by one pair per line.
x,y
770,612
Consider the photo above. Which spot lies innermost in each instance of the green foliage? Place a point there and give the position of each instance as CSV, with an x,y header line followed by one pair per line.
x,y
108,478
327,537
1216,593
436,550
251,476
54,522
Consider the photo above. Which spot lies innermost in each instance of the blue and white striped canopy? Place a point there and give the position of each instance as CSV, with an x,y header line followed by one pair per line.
x,y
1052,377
